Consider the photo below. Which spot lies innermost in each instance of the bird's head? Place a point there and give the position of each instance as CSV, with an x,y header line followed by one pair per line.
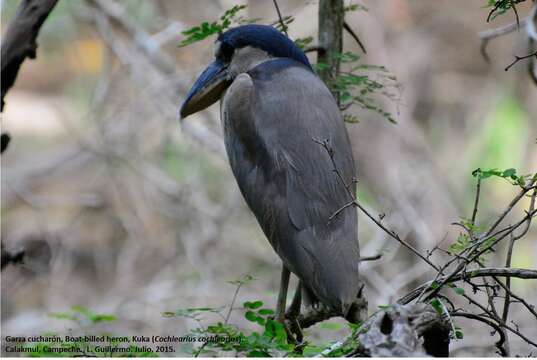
x,y
236,51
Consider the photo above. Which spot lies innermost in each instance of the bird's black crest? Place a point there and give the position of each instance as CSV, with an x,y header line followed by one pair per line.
x,y
265,38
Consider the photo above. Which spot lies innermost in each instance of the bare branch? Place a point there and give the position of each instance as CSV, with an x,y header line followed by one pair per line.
x,y
500,343
348,28
491,34
476,202
520,58
355,202
282,23
20,42
468,274
511,205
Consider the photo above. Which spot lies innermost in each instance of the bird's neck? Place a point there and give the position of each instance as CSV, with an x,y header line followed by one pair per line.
x,y
247,58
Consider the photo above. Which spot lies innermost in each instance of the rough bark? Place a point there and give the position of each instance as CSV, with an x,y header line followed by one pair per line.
x,y
19,41
414,330
331,20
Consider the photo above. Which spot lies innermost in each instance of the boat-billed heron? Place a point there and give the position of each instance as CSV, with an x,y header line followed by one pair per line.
x,y
275,111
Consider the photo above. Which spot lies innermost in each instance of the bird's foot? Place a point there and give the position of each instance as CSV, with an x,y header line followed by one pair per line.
x,y
294,331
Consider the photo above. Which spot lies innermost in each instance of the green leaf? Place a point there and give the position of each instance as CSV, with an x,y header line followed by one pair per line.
x,y
509,173
266,312
281,334
102,317
258,353
437,305
206,29
270,329
253,304
303,42
459,291
63,316
251,316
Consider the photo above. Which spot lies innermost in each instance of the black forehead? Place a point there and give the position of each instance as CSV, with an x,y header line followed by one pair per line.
x,y
265,38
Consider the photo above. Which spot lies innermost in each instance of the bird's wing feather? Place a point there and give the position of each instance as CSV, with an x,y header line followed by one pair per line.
x,y
274,118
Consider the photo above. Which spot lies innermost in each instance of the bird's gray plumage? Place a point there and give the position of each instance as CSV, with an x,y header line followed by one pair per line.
x,y
272,116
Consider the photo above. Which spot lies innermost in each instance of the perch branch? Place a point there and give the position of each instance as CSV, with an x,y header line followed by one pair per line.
x,y
468,274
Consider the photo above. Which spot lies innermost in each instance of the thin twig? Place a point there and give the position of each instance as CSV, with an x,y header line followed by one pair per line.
x,y
347,27
480,252
507,300
513,202
499,344
232,303
476,202
282,23
519,58
314,48
371,258
491,34
355,202
491,316
468,274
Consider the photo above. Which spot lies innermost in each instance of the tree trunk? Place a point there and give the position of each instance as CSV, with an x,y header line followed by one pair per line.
x,y
331,19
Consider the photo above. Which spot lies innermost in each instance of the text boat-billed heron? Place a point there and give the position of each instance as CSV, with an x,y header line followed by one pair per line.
x,y
274,112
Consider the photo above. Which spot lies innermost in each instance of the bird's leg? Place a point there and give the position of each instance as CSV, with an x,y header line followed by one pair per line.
x,y
293,312
294,309
280,306
282,295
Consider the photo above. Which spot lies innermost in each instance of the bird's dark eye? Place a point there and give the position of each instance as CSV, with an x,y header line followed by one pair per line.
x,y
225,52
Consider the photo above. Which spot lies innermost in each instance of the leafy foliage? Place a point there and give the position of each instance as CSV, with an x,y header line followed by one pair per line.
x,y
355,7
500,7
303,42
206,29
361,82
270,340
84,319
509,174
80,314
287,20
268,337
357,86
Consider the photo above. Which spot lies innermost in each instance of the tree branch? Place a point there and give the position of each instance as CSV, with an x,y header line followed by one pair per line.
x,y
348,28
20,42
468,274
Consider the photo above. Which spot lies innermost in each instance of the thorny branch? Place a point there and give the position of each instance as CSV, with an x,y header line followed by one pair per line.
x,y
481,244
